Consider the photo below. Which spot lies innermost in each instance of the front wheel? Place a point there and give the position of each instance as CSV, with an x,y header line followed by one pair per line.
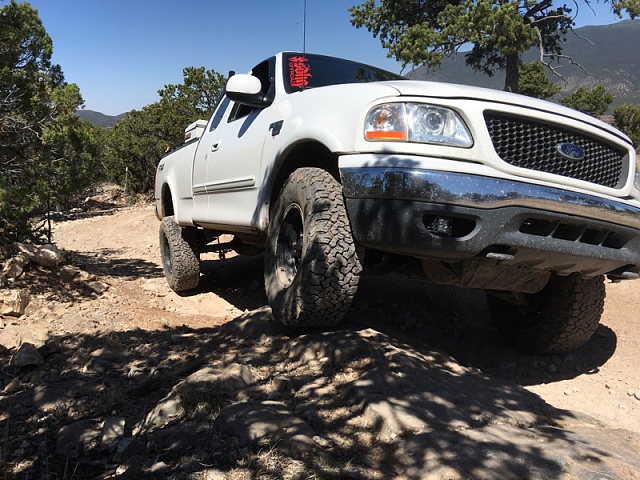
x,y
312,268
558,319
180,255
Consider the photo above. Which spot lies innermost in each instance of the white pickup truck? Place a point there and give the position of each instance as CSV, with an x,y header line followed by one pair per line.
x,y
334,168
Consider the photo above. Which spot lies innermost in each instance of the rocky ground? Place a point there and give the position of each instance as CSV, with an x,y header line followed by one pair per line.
x,y
109,374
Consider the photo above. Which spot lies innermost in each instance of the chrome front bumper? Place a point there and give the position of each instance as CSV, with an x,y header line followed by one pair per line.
x,y
453,217
481,192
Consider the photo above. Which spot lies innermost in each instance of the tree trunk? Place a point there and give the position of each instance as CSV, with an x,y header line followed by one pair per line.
x,y
512,77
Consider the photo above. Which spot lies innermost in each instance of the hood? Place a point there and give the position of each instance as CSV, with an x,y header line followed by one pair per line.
x,y
454,91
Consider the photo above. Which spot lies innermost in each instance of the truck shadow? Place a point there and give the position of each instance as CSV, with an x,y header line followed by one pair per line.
x,y
115,263
457,321
449,319
239,280
392,409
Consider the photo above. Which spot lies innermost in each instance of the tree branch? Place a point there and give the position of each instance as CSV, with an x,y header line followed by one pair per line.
x,y
529,16
554,69
534,21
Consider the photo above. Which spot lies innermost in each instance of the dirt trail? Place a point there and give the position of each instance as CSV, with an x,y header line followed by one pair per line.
x,y
601,379
415,384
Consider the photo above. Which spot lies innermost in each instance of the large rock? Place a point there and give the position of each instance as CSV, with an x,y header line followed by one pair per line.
x,y
49,256
429,416
68,273
212,379
19,255
14,267
14,302
12,336
97,287
209,382
26,250
27,355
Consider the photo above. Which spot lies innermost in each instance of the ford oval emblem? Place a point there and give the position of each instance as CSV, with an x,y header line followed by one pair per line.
x,y
570,151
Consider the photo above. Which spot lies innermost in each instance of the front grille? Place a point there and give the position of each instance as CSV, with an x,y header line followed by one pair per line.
x,y
528,144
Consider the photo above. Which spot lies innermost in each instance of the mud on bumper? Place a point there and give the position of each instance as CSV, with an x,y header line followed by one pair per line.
x,y
452,216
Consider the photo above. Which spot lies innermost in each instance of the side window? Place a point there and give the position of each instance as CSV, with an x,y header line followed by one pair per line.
x,y
264,73
219,113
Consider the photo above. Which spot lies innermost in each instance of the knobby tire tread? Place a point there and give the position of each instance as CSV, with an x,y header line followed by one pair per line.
x,y
185,258
567,320
329,270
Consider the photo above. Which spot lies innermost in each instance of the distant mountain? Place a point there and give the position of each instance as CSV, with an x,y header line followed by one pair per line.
x,y
609,54
99,119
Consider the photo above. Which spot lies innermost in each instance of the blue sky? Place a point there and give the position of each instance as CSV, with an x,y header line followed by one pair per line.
x,y
121,52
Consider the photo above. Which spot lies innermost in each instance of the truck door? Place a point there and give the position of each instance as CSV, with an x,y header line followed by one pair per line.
x,y
201,162
227,162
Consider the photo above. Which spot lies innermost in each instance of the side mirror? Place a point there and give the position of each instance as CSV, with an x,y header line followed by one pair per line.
x,y
246,90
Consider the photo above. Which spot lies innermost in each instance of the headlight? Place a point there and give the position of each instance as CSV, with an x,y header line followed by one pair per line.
x,y
417,122
386,122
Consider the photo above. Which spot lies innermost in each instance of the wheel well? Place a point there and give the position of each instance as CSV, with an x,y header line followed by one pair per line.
x,y
308,154
167,202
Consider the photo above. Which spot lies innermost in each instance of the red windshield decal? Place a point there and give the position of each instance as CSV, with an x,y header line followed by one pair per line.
x,y
299,72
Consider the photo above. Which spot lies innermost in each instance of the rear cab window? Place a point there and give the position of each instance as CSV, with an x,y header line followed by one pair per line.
x,y
303,71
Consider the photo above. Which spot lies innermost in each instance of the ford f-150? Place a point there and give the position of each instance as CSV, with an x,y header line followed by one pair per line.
x,y
334,169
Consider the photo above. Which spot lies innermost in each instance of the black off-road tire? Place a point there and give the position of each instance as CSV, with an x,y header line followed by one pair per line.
x,y
180,255
560,318
312,268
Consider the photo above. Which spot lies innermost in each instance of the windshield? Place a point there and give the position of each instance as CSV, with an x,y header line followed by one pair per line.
x,y
302,71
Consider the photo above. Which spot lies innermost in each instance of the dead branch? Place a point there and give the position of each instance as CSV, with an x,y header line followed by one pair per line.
x,y
554,69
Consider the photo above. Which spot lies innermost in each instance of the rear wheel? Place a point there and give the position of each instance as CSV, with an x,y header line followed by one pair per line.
x,y
311,265
180,255
558,319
